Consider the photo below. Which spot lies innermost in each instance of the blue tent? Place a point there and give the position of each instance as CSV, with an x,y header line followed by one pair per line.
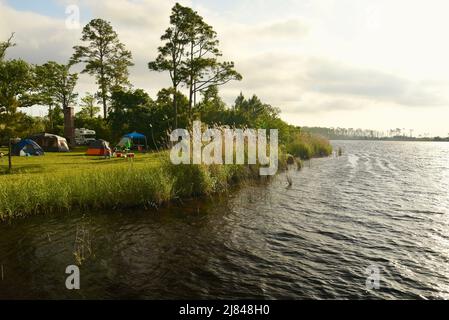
x,y
135,135
135,140
27,147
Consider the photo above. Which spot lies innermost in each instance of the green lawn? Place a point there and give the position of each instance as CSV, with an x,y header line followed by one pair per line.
x,y
75,161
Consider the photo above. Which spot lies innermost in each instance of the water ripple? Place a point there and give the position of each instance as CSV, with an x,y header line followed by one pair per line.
x,y
382,204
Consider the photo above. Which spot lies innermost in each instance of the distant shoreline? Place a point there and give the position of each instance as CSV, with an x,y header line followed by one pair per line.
x,y
371,135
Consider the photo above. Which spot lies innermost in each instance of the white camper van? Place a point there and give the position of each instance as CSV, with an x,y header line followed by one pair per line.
x,y
84,136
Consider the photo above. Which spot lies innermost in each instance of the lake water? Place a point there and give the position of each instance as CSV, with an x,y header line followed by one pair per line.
x,y
382,206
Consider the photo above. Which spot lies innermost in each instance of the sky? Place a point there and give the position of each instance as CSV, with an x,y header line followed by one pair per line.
x,y
349,63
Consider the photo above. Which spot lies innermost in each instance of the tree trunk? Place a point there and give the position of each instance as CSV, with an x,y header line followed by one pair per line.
x,y
105,107
194,94
191,83
9,156
190,99
103,89
175,107
175,93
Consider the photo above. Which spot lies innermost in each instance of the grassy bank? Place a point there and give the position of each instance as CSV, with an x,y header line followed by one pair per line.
x,y
151,180
62,182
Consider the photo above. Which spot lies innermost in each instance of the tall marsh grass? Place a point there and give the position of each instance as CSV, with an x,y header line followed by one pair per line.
x,y
306,146
130,185
88,184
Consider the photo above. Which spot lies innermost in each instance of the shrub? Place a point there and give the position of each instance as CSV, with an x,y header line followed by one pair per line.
x,y
306,146
301,150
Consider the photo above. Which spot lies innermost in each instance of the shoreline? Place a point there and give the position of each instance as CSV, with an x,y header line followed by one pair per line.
x,y
64,182
130,185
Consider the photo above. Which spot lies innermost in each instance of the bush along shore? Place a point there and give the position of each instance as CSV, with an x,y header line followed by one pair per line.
x,y
309,146
146,184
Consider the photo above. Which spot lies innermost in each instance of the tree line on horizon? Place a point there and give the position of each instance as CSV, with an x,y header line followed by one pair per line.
x,y
368,134
189,54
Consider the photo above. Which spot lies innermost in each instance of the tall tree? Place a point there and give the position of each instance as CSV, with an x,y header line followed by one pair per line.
x,y
119,77
253,112
56,86
212,109
191,55
171,54
89,109
56,121
17,86
202,66
130,111
17,90
202,51
105,57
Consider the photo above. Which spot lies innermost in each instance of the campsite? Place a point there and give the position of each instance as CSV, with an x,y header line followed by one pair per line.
x,y
76,160
47,153
58,166
241,151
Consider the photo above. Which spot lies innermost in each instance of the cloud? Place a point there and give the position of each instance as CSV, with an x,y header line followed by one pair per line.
x,y
310,58
317,85
134,15
289,30
338,79
38,38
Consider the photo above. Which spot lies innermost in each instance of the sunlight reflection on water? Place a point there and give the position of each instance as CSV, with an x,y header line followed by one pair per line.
x,y
381,203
